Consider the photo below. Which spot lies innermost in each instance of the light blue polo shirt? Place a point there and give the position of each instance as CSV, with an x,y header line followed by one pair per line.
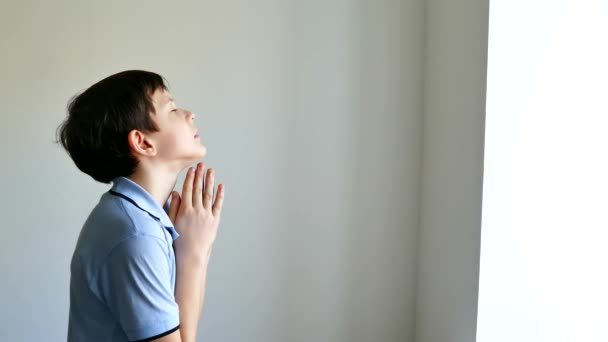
x,y
123,270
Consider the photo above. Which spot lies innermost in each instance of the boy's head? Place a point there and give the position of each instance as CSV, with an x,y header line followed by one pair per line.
x,y
125,122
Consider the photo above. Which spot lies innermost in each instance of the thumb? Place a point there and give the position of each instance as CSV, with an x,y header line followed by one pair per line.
x,y
174,206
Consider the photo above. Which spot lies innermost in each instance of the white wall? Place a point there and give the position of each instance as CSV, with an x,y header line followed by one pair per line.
x,y
312,115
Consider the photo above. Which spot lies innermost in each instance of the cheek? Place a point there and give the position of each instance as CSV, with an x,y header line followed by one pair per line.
x,y
182,141
170,143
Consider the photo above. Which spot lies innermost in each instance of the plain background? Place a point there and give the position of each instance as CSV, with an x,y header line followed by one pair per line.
x,y
543,274
349,135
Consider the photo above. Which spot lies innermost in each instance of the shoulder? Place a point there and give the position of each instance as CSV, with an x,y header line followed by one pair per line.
x,y
119,218
112,222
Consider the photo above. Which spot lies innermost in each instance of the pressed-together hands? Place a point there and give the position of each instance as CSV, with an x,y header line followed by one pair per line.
x,y
196,215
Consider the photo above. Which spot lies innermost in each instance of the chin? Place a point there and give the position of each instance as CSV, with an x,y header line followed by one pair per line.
x,y
199,154
203,151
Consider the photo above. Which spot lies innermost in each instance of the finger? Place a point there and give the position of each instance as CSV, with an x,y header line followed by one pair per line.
x,y
198,186
219,201
208,195
187,188
174,206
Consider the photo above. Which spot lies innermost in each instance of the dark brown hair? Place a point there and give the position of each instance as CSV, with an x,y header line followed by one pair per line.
x,y
100,118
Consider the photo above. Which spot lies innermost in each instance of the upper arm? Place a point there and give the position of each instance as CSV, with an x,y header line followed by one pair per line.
x,y
135,281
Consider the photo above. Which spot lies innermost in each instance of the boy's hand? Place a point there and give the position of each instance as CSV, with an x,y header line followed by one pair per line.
x,y
196,215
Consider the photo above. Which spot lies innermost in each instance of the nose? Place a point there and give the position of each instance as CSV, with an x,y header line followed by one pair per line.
x,y
191,114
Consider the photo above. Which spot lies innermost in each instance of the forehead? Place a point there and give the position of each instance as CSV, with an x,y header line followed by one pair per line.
x,y
161,97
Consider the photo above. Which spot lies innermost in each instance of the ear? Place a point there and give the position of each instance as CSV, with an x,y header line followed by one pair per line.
x,y
140,144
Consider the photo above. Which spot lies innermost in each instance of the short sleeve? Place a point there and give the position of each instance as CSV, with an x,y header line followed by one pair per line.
x,y
135,281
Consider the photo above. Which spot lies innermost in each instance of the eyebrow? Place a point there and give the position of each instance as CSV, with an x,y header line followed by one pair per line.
x,y
169,101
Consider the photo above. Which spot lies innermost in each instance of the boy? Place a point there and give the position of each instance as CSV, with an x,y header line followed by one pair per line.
x,y
139,268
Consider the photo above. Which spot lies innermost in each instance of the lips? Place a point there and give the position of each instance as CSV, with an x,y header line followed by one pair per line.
x,y
196,134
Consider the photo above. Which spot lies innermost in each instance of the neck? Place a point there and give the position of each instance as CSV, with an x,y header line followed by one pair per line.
x,y
158,183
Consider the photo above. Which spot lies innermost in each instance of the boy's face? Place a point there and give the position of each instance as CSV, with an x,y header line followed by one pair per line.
x,y
177,141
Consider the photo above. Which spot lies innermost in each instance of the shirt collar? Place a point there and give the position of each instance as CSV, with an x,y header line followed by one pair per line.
x,y
138,196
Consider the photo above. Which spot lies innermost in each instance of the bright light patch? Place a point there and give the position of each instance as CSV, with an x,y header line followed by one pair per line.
x,y
544,240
